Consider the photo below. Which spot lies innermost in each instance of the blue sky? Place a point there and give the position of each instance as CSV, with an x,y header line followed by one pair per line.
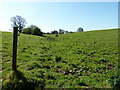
x,y
49,16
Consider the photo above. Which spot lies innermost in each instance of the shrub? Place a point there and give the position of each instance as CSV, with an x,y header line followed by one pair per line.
x,y
27,31
37,31
56,35
54,32
57,59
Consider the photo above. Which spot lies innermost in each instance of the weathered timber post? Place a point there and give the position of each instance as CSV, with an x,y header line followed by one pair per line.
x,y
14,62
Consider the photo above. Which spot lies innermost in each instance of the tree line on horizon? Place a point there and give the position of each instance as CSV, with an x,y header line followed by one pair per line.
x,y
20,22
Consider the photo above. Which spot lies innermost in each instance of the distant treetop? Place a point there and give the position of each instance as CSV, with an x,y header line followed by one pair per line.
x,y
79,29
32,26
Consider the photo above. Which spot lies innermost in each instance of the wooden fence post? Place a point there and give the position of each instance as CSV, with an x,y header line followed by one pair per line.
x,y
14,62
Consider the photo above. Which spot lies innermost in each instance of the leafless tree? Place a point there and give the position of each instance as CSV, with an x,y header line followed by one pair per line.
x,y
19,22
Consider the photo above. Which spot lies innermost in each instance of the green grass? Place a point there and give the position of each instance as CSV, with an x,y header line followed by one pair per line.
x,y
74,60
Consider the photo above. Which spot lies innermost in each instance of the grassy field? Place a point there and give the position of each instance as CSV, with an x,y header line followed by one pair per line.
x,y
74,60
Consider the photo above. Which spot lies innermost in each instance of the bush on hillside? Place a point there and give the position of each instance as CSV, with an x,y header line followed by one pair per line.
x,y
54,32
37,31
27,31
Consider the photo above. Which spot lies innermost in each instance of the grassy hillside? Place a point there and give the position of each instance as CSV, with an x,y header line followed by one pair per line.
x,y
74,60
